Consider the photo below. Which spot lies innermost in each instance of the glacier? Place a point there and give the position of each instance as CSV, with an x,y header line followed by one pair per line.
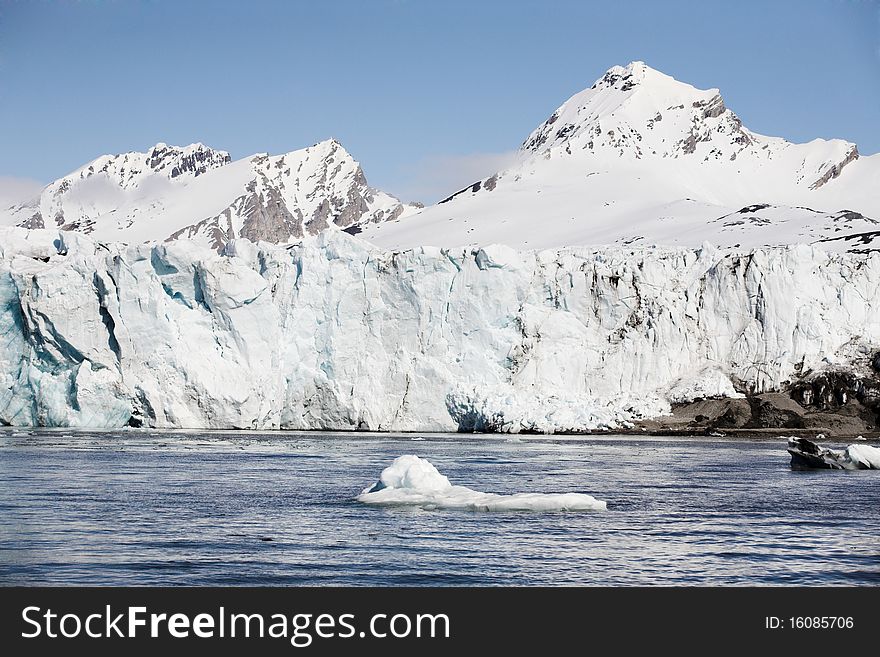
x,y
333,333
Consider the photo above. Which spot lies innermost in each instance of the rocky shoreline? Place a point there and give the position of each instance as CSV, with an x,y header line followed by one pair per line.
x,y
839,403
765,414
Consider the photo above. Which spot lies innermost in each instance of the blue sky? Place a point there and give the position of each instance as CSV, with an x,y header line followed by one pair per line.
x,y
426,94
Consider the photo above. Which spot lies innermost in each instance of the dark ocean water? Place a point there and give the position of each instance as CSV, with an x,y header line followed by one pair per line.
x,y
178,508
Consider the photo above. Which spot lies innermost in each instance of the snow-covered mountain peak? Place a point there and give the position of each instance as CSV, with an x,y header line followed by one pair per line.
x,y
282,198
626,78
326,159
642,158
328,145
637,111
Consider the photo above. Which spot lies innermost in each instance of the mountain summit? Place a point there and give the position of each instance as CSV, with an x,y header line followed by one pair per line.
x,y
636,111
640,157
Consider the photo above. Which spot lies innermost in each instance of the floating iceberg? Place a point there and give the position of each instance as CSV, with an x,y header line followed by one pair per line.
x,y
805,454
414,481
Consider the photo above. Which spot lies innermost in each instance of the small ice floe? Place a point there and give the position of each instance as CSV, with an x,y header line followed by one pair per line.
x,y
805,454
414,481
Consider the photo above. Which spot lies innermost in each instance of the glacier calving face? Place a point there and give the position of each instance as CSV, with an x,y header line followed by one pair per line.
x,y
336,334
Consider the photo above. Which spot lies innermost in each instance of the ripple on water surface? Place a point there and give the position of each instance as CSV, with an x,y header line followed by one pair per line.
x,y
279,509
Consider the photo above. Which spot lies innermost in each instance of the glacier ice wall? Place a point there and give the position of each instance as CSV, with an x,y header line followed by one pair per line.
x,y
336,334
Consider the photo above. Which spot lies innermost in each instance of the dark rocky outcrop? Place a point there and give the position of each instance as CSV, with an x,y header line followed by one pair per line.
x,y
474,188
833,171
837,403
197,161
833,390
34,221
267,217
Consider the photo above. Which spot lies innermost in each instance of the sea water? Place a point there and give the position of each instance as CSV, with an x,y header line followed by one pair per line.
x,y
214,508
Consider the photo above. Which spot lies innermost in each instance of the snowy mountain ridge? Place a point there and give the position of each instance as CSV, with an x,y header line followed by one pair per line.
x,y
199,193
637,158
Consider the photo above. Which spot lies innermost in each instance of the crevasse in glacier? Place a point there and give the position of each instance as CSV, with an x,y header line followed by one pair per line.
x,y
335,334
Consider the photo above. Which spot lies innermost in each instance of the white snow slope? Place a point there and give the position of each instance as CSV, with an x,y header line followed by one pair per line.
x,y
640,158
336,334
199,193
